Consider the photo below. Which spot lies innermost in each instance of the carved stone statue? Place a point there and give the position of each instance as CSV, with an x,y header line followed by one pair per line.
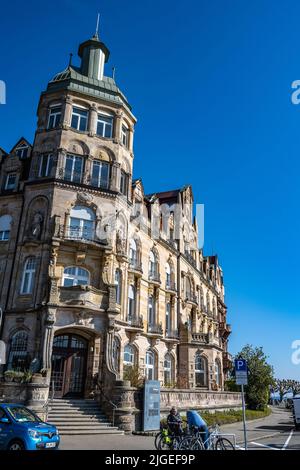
x,y
120,242
105,273
36,226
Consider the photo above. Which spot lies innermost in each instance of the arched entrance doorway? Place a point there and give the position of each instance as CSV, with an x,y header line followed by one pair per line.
x,y
69,361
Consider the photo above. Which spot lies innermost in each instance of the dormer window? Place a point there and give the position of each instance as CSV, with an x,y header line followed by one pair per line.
x,y
22,151
11,181
124,135
79,119
54,117
105,126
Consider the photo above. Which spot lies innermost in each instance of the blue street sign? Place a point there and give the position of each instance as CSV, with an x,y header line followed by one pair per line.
x,y
240,365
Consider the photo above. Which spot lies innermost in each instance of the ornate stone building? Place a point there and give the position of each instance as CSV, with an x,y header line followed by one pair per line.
x,y
96,276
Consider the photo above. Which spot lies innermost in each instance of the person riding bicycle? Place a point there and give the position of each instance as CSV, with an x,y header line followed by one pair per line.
x,y
174,422
194,419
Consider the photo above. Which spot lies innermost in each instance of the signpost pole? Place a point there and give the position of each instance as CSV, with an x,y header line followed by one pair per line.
x,y
244,416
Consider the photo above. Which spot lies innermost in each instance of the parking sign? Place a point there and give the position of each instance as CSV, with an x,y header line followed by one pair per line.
x,y
241,372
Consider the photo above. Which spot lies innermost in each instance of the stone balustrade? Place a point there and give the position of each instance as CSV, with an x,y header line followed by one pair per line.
x,y
82,295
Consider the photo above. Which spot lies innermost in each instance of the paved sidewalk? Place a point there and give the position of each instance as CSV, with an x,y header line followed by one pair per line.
x,y
279,422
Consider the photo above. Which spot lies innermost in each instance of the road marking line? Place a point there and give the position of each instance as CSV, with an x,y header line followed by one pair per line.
x,y
264,445
239,447
288,440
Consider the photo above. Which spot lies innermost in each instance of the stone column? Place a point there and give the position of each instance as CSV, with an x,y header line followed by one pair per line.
x,y
115,177
92,126
48,338
125,410
130,139
118,126
67,113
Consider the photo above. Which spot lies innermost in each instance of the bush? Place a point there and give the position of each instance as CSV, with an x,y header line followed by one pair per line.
x,y
132,373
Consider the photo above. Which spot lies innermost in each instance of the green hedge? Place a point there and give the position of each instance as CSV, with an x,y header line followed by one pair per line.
x,y
230,416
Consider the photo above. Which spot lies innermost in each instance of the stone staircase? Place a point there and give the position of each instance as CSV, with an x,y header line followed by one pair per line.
x,y
73,416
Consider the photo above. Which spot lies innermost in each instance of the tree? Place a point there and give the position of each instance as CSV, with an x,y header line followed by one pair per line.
x,y
260,377
282,387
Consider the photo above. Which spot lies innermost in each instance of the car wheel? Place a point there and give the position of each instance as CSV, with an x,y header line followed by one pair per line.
x,y
16,445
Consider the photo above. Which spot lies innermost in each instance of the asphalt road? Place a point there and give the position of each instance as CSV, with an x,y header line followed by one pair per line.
x,y
276,432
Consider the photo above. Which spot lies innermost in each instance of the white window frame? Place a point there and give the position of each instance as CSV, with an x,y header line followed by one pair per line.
x,y
118,284
168,317
133,251
202,371
5,227
56,120
131,352
131,302
7,179
101,118
85,219
28,270
76,277
124,135
80,117
74,157
124,179
150,365
49,163
168,369
151,310
21,148
101,164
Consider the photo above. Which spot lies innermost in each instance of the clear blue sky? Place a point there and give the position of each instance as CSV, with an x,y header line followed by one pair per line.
x,y
210,83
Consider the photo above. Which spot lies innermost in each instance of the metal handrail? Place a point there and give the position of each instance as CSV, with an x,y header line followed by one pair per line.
x,y
111,403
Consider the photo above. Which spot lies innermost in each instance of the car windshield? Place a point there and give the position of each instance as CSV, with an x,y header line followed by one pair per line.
x,y
22,415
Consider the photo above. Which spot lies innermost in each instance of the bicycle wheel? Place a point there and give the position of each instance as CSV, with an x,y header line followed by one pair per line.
x,y
162,444
186,443
156,440
197,444
223,444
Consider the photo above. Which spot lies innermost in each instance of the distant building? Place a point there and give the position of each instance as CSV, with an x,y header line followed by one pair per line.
x,y
93,279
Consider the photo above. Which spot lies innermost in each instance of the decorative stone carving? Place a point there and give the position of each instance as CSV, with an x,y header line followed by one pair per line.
x,y
84,198
83,318
36,226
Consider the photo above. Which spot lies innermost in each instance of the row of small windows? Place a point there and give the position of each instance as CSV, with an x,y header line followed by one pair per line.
x,y
18,359
73,172
79,121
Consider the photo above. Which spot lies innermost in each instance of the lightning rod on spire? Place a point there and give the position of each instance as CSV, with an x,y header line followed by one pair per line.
x,y
97,25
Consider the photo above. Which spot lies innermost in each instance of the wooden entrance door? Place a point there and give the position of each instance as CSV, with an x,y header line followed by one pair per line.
x,y
69,360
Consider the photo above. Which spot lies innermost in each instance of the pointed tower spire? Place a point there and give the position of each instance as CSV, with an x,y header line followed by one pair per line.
x,y
94,54
96,35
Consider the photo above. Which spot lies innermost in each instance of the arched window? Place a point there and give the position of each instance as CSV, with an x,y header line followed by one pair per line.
x,y
116,354
28,276
150,365
100,174
131,303
151,310
81,223
153,265
5,223
214,310
75,276
168,318
168,370
168,275
133,252
118,283
201,298
188,287
218,373
200,370
18,358
129,358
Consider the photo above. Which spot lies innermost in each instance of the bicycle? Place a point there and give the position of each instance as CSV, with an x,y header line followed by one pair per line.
x,y
215,441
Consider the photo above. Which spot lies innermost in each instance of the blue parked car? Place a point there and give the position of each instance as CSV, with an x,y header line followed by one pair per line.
x,y
21,429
